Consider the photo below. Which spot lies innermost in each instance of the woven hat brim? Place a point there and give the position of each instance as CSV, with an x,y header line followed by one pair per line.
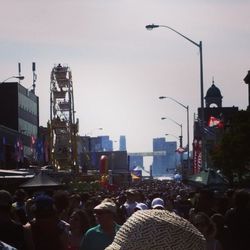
x,y
157,229
113,246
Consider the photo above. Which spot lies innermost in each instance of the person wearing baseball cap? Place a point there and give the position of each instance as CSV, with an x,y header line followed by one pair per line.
x,y
157,203
141,206
102,235
48,231
130,202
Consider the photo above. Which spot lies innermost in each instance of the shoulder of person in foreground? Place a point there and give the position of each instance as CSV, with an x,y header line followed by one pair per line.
x,y
91,231
88,238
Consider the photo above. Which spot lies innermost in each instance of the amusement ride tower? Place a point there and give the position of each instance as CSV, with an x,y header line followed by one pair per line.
x,y
62,126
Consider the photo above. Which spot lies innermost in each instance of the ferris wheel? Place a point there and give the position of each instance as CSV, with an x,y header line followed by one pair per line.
x,y
62,126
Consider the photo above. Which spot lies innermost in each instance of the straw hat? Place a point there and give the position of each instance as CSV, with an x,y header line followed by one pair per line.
x,y
157,229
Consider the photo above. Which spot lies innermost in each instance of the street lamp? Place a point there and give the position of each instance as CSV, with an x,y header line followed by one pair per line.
x,y
199,45
17,77
180,125
172,135
187,109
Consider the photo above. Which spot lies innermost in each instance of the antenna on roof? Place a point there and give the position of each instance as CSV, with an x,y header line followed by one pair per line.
x,y
19,70
34,77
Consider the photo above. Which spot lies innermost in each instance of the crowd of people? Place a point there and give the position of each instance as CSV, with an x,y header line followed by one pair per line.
x,y
150,214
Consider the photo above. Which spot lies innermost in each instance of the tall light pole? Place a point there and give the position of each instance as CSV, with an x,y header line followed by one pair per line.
x,y
177,139
172,135
180,125
199,45
187,109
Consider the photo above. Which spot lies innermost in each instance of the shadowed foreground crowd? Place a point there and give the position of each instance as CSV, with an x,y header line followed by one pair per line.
x,y
149,215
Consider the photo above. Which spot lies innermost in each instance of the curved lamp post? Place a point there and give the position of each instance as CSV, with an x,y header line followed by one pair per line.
x,y
17,77
187,109
199,45
180,125
172,136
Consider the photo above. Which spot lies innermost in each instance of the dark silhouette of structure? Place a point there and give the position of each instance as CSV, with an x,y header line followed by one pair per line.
x,y
247,81
212,132
19,122
213,96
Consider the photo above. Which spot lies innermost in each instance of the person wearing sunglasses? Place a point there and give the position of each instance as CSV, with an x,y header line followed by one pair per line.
x,y
102,235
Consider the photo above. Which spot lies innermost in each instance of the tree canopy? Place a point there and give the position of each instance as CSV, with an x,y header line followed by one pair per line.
x,y
232,154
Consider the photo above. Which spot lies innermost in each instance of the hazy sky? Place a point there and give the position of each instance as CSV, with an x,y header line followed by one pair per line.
x,y
119,68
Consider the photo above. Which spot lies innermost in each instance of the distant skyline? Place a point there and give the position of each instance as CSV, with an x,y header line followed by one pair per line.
x,y
119,68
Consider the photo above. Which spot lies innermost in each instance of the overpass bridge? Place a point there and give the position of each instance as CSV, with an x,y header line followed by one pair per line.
x,y
155,153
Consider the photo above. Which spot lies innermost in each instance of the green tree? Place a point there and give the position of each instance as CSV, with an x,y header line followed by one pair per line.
x,y
232,154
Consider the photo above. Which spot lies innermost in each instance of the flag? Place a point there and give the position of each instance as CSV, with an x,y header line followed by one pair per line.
x,y
215,122
32,144
39,149
19,150
135,177
180,150
137,173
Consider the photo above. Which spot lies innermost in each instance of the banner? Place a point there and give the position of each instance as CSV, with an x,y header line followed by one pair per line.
x,y
19,150
197,155
39,150
180,150
136,174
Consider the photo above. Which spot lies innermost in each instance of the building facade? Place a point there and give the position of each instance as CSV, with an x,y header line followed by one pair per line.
x,y
90,150
106,143
20,113
122,143
216,119
135,161
164,164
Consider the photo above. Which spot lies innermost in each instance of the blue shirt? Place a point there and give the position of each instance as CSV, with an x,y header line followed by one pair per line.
x,y
96,239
